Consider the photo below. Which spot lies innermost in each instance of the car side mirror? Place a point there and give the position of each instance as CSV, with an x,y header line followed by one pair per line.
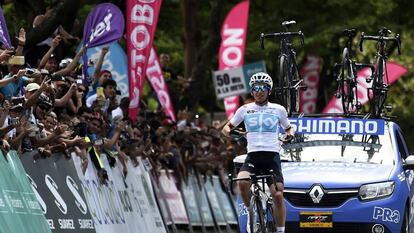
x,y
409,163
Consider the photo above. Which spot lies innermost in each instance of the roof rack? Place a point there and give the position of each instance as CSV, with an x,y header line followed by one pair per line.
x,y
354,115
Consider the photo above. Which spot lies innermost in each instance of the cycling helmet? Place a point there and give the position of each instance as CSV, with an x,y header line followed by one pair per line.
x,y
261,77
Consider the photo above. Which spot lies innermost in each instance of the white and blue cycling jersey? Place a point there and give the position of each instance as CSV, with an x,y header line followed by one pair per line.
x,y
262,125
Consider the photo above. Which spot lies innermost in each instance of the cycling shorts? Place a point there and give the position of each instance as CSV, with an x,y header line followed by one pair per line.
x,y
261,162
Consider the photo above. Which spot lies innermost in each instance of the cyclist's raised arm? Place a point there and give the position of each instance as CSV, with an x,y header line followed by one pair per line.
x,y
234,121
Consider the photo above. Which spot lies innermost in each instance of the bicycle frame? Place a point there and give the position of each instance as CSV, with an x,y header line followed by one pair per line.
x,y
264,207
347,78
289,79
379,88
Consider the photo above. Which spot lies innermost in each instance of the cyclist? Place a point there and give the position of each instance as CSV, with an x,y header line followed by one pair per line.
x,y
262,120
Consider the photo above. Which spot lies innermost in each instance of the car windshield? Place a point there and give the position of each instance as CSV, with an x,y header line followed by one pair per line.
x,y
339,148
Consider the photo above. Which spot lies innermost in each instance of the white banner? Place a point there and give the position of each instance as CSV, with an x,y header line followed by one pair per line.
x,y
123,205
169,192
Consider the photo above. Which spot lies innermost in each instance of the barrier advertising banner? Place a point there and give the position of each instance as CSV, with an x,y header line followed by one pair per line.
x,y
233,40
142,18
225,202
168,191
191,202
214,203
59,193
202,202
124,204
142,172
394,70
109,212
19,209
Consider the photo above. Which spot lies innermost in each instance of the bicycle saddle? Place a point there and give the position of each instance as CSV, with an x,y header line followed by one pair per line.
x,y
384,31
288,23
349,32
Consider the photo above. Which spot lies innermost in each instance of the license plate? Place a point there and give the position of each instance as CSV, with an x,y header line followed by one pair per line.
x,y
315,220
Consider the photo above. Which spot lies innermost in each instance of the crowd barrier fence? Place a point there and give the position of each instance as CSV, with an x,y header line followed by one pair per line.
x,y
54,195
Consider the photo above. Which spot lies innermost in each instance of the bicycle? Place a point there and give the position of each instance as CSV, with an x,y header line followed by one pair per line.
x,y
262,204
379,88
289,79
347,77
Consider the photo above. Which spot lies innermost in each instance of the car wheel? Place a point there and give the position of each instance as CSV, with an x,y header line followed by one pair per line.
x,y
405,226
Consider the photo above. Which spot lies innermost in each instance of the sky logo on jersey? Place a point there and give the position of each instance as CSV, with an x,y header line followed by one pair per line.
x,y
338,126
261,123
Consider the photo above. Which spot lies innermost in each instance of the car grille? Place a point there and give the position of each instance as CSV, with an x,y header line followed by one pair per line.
x,y
329,199
338,227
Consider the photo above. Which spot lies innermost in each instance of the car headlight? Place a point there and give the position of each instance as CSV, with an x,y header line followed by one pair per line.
x,y
376,191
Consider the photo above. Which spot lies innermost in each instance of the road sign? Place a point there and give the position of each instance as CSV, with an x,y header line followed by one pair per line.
x,y
232,82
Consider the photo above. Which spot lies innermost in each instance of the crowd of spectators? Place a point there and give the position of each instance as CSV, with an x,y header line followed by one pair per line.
x,y
49,107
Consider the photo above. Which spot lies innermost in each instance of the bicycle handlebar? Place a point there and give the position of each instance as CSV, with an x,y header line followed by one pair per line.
x,y
380,39
252,178
281,35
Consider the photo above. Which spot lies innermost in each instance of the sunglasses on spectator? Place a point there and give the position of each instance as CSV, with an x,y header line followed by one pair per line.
x,y
260,88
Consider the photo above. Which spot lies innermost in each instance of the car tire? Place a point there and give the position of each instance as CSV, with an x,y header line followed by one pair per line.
x,y
405,226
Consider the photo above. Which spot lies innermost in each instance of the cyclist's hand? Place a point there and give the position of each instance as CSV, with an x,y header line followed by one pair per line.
x,y
237,133
286,138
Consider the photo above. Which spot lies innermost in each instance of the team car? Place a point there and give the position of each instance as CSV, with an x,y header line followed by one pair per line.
x,y
346,175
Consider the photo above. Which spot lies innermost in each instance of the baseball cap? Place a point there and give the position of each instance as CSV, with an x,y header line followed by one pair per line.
x,y
32,87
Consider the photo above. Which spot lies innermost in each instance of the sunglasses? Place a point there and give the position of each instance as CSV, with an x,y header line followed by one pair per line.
x,y
260,88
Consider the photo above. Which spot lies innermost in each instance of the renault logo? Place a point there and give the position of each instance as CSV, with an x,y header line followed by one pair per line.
x,y
316,193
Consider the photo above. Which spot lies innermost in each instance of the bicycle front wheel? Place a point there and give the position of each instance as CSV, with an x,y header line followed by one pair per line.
x,y
283,92
257,218
347,86
379,91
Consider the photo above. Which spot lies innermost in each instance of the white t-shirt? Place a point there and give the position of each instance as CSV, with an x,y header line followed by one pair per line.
x,y
262,125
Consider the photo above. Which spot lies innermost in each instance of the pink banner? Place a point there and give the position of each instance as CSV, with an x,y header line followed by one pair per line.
x,y
167,190
154,75
233,40
395,71
142,18
310,73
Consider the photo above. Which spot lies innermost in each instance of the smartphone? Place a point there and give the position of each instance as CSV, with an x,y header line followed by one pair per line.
x,y
99,91
99,142
14,121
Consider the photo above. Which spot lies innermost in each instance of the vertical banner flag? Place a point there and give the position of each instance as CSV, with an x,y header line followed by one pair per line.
x,y
115,61
310,73
142,18
105,24
233,40
154,75
4,34
394,70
